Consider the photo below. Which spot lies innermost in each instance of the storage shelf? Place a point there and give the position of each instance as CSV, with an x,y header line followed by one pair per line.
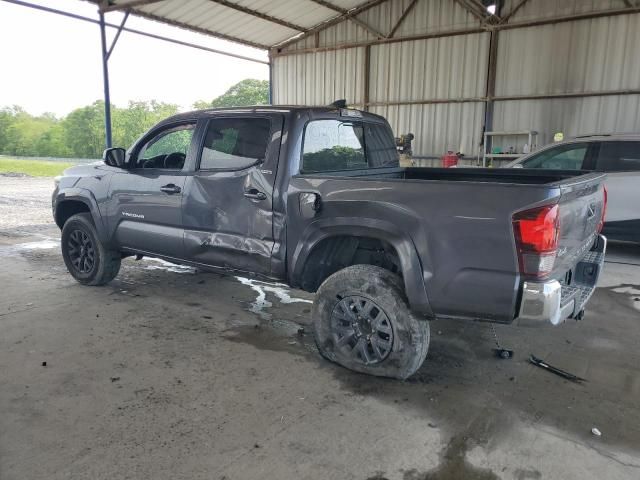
x,y
488,157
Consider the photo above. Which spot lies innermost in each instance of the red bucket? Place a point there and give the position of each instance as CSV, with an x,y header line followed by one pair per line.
x,y
449,159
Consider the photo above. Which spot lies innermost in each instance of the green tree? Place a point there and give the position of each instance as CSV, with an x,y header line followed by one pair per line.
x,y
131,122
81,133
243,94
84,130
25,134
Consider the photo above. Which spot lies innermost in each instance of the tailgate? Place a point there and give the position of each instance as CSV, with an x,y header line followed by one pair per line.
x,y
582,204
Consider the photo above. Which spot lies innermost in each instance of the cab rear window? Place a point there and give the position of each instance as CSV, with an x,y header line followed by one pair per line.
x,y
334,145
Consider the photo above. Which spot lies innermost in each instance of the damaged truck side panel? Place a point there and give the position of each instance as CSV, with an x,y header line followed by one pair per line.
x,y
315,197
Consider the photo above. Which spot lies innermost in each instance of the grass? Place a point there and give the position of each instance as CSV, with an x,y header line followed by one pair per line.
x,y
34,168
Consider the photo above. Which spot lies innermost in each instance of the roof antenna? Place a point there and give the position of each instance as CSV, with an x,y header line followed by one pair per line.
x,y
342,103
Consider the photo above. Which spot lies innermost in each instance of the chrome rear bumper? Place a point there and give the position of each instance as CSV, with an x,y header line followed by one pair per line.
x,y
553,301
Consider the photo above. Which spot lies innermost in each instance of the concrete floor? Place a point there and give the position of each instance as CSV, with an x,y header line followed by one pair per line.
x,y
171,373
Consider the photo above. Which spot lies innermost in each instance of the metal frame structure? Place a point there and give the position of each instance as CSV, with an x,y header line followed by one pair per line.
x,y
106,51
486,22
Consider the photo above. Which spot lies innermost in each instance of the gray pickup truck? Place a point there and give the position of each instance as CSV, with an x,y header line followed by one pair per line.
x,y
315,197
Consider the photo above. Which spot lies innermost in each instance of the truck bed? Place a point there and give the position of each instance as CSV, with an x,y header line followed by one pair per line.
x,y
482,175
460,220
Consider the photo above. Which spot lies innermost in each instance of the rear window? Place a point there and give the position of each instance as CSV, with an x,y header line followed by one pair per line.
x,y
619,157
331,145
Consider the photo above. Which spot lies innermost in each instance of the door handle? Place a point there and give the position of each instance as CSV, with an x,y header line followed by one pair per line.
x,y
170,189
255,194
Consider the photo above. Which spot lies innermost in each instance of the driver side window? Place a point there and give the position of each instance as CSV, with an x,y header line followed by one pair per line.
x,y
166,150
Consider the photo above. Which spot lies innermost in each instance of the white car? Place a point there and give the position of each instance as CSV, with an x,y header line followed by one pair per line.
x,y
619,156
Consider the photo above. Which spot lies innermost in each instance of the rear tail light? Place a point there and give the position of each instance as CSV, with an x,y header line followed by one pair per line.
x,y
604,210
536,232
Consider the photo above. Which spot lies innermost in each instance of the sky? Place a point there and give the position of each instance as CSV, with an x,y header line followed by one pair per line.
x,y
51,63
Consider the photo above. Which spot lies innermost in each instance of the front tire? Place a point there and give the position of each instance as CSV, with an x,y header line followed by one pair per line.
x,y
362,321
87,260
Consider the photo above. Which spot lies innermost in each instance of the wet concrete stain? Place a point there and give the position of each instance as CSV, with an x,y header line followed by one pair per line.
x,y
453,465
522,474
275,337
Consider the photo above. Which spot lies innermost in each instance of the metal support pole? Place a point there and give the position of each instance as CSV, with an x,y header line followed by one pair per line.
x,y
270,99
367,77
490,91
105,78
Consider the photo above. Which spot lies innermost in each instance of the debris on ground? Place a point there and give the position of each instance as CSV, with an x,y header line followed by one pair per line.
x,y
44,364
542,364
503,353
115,379
596,432
301,331
500,351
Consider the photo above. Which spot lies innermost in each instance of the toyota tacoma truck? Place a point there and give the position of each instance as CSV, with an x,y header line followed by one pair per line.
x,y
315,197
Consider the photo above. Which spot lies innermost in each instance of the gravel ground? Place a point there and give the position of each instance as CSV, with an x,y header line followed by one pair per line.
x,y
171,373
25,201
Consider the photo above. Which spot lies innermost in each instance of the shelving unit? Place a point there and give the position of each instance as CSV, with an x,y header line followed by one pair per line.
x,y
531,141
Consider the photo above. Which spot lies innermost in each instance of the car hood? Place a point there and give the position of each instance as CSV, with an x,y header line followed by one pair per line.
x,y
88,169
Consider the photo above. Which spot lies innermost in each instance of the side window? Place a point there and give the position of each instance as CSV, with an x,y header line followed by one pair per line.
x,y
619,157
563,157
168,149
235,143
331,145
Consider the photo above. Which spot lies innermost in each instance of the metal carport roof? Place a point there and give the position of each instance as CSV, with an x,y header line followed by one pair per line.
x,y
261,24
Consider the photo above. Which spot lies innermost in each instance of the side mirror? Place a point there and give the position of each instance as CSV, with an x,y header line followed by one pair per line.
x,y
114,157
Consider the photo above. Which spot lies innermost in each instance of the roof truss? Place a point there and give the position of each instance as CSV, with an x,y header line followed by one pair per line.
x,y
352,18
333,21
108,7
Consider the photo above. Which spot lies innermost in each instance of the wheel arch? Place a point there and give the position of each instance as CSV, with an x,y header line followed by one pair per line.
x,y
310,257
73,201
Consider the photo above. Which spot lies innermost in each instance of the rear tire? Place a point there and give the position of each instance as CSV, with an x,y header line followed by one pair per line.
x,y
87,260
362,321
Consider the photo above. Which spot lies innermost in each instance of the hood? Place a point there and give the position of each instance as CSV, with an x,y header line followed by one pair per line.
x,y
88,169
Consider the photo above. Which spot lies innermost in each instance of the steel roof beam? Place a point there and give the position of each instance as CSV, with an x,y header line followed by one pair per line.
x,y
401,19
109,7
355,20
117,36
329,23
204,31
135,31
471,10
257,14
513,12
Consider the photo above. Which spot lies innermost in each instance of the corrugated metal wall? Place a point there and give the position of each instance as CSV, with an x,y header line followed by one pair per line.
x,y
319,79
594,55
436,87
